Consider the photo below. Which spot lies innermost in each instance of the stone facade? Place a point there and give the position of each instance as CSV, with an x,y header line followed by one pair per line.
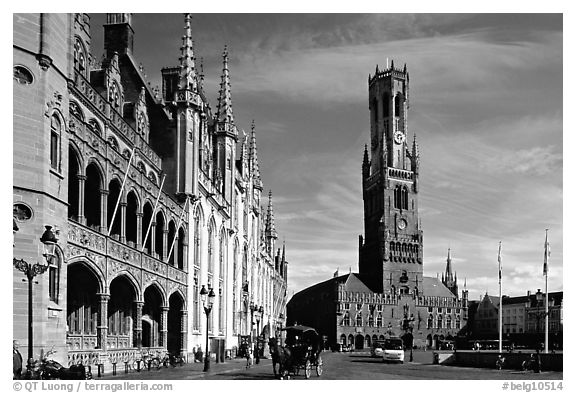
x,y
151,193
390,296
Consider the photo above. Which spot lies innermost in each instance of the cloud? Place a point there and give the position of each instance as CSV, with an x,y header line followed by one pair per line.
x,y
537,160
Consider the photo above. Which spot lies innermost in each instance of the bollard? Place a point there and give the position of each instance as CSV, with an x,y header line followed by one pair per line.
x,y
149,364
100,369
113,368
125,367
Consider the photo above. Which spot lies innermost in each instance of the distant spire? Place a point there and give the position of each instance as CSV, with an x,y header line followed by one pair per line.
x,y
187,78
392,64
224,112
270,224
449,276
253,155
284,250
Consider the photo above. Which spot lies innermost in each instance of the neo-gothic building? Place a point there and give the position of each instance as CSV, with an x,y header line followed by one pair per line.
x,y
153,194
390,295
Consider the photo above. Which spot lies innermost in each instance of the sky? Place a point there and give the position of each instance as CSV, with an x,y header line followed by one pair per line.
x,y
486,105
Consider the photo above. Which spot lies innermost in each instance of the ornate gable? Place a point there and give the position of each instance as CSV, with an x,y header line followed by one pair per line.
x,y
112,82
141,115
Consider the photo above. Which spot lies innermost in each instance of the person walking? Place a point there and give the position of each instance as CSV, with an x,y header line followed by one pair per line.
x,y
16,360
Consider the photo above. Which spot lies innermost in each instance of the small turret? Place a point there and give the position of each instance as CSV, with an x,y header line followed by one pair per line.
x,y
187,79
365,164
253,161
270,231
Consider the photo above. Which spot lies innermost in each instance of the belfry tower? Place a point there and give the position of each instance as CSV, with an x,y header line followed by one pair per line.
x,y
391,251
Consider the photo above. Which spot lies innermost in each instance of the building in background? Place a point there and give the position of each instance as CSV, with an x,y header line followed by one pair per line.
x,y
390,295
153,194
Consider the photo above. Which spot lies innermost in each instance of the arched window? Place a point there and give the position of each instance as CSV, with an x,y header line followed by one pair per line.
x,y
397,104
113,198
73,184
385,105
92,197
210,250
440,325
358,319
404,198
54,277
371,321
379,320
146,220
171,241
55,131
430,322
131,218
160,225
80,56
180,241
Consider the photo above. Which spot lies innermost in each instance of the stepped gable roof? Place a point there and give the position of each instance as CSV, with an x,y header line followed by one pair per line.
x,y
434,287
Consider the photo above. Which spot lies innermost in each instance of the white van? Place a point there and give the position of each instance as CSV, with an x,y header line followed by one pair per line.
x,y
393,350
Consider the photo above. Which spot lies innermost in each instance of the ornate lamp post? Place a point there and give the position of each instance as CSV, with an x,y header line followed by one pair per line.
x,y
259,315
50,241
207,302
539,315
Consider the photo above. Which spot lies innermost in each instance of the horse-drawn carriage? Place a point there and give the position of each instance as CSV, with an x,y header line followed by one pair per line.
x,y
302,352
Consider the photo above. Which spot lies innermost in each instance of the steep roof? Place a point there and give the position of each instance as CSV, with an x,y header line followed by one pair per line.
x,y
434,287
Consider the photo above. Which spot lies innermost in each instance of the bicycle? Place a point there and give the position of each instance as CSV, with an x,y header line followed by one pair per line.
x,y
146,360
172,360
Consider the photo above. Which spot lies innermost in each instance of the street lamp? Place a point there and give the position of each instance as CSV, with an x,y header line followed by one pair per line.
x,y
539,315
253,308
207,302
50,241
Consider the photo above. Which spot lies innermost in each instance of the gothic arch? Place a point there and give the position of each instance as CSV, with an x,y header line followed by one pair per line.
x,y
95,126
80,56
177,291
130,277
74,146
100,169
93,267
161,290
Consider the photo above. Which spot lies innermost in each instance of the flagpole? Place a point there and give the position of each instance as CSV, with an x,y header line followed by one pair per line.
x,y
500,297
546,255
176,233
121,191
152,219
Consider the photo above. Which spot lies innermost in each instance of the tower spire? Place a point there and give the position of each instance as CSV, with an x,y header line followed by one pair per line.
x,y
253,161
224,112
270,225
187,79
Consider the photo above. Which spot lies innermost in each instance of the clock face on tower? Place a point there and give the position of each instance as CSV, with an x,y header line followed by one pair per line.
x,y
398,137
402,224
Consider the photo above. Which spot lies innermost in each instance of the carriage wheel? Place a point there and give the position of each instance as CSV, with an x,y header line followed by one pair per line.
x,y
307,369
319,366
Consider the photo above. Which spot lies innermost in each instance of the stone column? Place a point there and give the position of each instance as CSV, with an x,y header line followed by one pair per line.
x,y
183,332
81,185
174,250
185,256
104,211
138,323
122,213
139,230
164,251
152,236
164,327
102,326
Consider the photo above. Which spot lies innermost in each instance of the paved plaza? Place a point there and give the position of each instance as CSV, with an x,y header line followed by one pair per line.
x,y
339,366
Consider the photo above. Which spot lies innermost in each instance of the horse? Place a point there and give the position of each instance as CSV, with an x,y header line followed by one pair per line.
x,y
281,356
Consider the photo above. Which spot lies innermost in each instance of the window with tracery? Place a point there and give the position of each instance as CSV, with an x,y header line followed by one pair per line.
x,y
80,57
55,130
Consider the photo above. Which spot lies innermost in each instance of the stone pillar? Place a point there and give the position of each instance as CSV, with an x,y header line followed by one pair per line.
x,y
81,185
102,327
185,256
174,249
152,236
164,327
104,211
122,213
139,230
164,251
138,324
183,332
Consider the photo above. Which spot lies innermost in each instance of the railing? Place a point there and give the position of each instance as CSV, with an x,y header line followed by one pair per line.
x,y
87,238
400,174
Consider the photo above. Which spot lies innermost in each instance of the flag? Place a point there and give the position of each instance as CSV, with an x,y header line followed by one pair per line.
x,y
500,261
546,254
